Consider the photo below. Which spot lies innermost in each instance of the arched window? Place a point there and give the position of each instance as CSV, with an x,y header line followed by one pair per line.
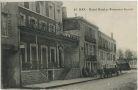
x,y
4,25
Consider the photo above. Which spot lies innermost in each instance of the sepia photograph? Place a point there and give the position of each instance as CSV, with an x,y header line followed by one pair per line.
x,y
68,45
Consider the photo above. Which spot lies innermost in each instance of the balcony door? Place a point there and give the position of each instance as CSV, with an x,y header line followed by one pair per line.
x,y
23,56
60,58
44,57
53,57
33,53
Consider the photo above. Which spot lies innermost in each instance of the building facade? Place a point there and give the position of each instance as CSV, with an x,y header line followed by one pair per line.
x,y
97,50
35,35
40,44
106,51
10,64
46,50
87,44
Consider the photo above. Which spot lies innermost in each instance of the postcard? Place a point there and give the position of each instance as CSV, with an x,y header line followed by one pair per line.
x,y
69,45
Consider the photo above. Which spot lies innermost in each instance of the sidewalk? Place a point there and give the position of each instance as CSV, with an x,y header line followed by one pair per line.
x,y
59,83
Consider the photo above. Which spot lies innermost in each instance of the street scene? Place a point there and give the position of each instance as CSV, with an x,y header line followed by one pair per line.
x,y
126,81
66,45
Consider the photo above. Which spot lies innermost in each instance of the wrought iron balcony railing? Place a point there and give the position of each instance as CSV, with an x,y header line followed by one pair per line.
x,y
105,48
90,39
70,36
91,58
36,30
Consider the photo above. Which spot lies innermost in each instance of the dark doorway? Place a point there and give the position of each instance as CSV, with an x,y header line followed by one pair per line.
x,y
60,58
53,56
44,57
50,75
34,57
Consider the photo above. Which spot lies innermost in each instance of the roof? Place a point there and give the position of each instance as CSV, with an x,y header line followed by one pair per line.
x,y
82,19
107,36
86,21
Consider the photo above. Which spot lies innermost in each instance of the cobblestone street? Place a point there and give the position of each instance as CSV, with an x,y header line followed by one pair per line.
x,y
125,81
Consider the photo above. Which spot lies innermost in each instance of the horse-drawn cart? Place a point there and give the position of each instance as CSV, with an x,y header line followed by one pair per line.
x,y
107,72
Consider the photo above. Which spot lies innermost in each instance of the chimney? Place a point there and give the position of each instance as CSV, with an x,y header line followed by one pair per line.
x,y
64,12
112,35
75,14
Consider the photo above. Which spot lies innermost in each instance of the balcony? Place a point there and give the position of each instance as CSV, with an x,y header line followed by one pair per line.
x,y
90,39
104,48
35,29
47,34
70,36
91,58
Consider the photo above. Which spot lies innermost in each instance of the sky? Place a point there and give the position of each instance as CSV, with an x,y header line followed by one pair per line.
x,y
117,17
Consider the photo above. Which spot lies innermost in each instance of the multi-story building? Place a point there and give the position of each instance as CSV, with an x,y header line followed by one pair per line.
x,y
38,45
87,44
96,49
10,63
34,47
106,51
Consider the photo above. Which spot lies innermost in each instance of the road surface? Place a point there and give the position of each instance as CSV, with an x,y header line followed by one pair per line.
x,y
126,81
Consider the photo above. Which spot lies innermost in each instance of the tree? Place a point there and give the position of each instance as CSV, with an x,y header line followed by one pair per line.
x,y
120,54
128,54
134,54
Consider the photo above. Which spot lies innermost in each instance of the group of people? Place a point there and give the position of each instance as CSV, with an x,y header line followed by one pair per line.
x,y
108,72
86,72
102,72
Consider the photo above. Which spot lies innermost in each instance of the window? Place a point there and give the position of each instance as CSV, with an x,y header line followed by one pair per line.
x,y
26,5
34,56
37,7
89,32
53,61
93,33
114,47
33,22
23,49
86,49
51,11
43,25
4,25
110,56
58,15
3,5
60,57
58,10
113,57
46,11
22,19
102,54
44,56
51,28
21,4
91,49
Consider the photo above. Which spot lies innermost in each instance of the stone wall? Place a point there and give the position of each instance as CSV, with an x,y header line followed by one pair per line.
x,y
10,72
33,77
74,73
39,76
